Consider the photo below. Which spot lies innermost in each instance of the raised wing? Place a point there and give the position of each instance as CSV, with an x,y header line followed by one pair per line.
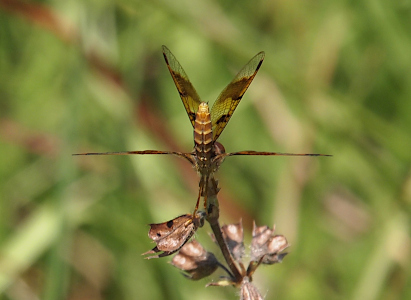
x,y
188,94
229,98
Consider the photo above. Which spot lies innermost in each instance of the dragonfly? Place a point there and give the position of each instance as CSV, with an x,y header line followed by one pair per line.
x,y
208,154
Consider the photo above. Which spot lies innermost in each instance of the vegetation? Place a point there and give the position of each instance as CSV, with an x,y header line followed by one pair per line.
x,y
89,76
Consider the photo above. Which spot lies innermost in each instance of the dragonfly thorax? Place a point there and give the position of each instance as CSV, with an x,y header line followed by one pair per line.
x,y
207,166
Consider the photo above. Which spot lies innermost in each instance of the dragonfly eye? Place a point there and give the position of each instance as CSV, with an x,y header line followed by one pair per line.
x,y
218,148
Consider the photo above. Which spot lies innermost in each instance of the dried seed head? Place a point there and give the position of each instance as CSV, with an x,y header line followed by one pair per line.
x,y
170,236
195,261
266,246
249,291
234,236
276,244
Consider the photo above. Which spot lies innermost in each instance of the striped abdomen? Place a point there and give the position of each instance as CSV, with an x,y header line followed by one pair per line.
x,y
203,138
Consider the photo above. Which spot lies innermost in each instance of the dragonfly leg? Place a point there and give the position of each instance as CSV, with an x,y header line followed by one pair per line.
x,y
206,191
200,192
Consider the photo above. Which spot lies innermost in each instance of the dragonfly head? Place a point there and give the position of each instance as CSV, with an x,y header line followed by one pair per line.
x,y
218,148
203,108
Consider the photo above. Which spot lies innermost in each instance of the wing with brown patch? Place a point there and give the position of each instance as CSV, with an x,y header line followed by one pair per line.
x,y
229,98
188,94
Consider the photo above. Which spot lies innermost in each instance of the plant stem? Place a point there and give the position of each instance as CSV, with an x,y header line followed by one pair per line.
x,y
213,214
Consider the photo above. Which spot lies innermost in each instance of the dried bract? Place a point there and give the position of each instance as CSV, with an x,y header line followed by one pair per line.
x,y
170,236
224,281
195,261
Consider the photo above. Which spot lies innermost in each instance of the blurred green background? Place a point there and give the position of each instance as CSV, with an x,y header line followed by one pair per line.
x,y
89,76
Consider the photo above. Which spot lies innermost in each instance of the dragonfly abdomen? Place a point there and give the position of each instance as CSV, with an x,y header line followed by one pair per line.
x,y
203,135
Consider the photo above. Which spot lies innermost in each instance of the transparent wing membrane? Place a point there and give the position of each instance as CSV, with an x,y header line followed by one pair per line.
x,y
187,92
231,96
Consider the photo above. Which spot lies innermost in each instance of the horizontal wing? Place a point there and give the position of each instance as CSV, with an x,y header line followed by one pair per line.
x,y
187,156
272,154
130,152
